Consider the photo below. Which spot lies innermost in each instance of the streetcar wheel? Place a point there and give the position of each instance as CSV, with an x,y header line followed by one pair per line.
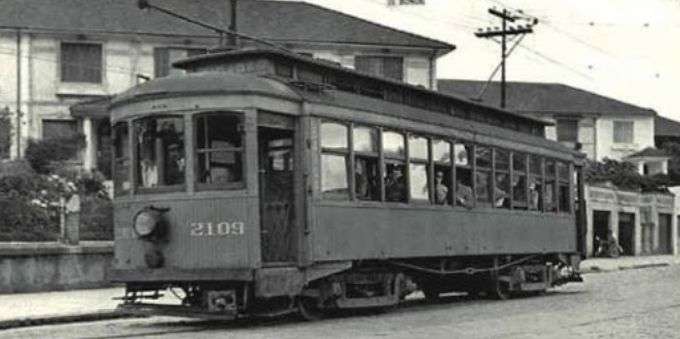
x,y
309,309
499,290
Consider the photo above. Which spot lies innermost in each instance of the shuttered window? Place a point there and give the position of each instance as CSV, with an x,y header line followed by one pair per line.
x,y
388,67
81,62
59,129
567,130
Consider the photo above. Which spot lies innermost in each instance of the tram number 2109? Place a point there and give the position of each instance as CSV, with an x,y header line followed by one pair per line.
x,y
210,229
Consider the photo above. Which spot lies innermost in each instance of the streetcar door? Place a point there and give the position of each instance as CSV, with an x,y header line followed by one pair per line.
x,y
277,195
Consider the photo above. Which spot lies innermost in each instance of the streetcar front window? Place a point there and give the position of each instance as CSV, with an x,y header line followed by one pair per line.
x,y
219,151
121,165
160,152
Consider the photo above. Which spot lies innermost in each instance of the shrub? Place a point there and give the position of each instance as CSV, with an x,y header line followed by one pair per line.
x,y
42,154
96,218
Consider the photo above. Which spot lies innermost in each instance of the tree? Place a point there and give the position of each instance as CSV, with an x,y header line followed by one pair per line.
x,y
673,149
624,176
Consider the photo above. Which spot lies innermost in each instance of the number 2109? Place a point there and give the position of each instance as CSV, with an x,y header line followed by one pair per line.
x,y
209,229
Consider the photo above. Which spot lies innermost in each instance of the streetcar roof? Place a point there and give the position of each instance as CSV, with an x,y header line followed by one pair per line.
x,y
197,61
207,83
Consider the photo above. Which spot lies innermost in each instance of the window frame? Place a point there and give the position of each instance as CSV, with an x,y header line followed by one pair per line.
x,y
196,151
396,160
450,195
427,162
630,123
373,155
115,160
335,151
78,78
136,188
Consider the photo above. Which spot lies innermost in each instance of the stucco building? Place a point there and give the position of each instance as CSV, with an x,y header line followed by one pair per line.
x,y
61,53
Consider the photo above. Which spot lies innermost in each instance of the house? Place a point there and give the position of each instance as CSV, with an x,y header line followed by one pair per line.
x,y
601,127
58,54
644,223
666,130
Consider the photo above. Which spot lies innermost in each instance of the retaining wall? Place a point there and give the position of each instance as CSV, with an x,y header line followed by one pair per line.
x,y
30,267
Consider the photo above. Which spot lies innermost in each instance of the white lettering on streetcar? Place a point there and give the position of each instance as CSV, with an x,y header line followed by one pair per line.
x,y
209,229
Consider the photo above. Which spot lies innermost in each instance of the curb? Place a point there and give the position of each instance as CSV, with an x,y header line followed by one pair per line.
x,y
598,269
64,319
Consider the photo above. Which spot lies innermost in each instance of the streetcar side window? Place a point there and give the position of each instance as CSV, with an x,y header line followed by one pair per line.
x,y
334,155
550,186
160,152
563,187
441,157
483,156
463,162
535,182
419,177
394,153
366,174
219,151
121,161
502,178
519,181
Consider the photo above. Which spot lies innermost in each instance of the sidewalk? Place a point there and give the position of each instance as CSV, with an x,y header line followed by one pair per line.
x,y
26,309
593,265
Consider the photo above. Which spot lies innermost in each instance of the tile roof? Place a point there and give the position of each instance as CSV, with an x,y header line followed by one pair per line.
x,y
649,152
664,127
284,21
535,97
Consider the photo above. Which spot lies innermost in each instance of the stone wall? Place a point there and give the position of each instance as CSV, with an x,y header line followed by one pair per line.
x,y
30,267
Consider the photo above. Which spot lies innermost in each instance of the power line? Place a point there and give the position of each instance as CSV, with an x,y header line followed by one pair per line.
x,y
505,31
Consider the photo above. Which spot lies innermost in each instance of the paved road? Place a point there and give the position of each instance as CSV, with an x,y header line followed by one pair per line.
x,y
642,303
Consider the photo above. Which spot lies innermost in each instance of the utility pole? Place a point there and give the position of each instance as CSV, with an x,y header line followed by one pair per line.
x,y
505,31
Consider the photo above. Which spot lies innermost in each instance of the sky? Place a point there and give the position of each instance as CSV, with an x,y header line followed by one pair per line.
x,y
625,49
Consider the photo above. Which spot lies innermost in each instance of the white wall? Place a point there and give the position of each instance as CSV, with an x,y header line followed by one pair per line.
x,y
643,137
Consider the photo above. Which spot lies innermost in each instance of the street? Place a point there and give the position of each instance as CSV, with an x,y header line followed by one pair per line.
x,y
642,303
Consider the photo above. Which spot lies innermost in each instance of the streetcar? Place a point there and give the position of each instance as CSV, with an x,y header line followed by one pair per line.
x,y
264,182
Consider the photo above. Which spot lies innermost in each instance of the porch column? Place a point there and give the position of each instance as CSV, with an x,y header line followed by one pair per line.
x,y
90,156
664,166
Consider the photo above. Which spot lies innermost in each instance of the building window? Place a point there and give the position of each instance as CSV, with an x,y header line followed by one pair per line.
x,y
81,62
623,132
567,130
160,151
384,66
219,151
165,56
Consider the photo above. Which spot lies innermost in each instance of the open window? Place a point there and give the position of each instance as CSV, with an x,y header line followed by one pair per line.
x,y
464,195
419,176
564,193
441,157
501,196
535,183
519,180
160,162
483,174
550,186
366,171
394,154
219,151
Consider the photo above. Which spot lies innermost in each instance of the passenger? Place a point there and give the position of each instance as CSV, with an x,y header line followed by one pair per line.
x,y
361,187
395,188
149,173
533,196
440,190
464,196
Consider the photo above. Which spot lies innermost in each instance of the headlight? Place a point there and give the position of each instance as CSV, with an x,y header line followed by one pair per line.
x,y
146,222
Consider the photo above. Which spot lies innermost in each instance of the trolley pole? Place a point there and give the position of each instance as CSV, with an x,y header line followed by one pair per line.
x,y
505,31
